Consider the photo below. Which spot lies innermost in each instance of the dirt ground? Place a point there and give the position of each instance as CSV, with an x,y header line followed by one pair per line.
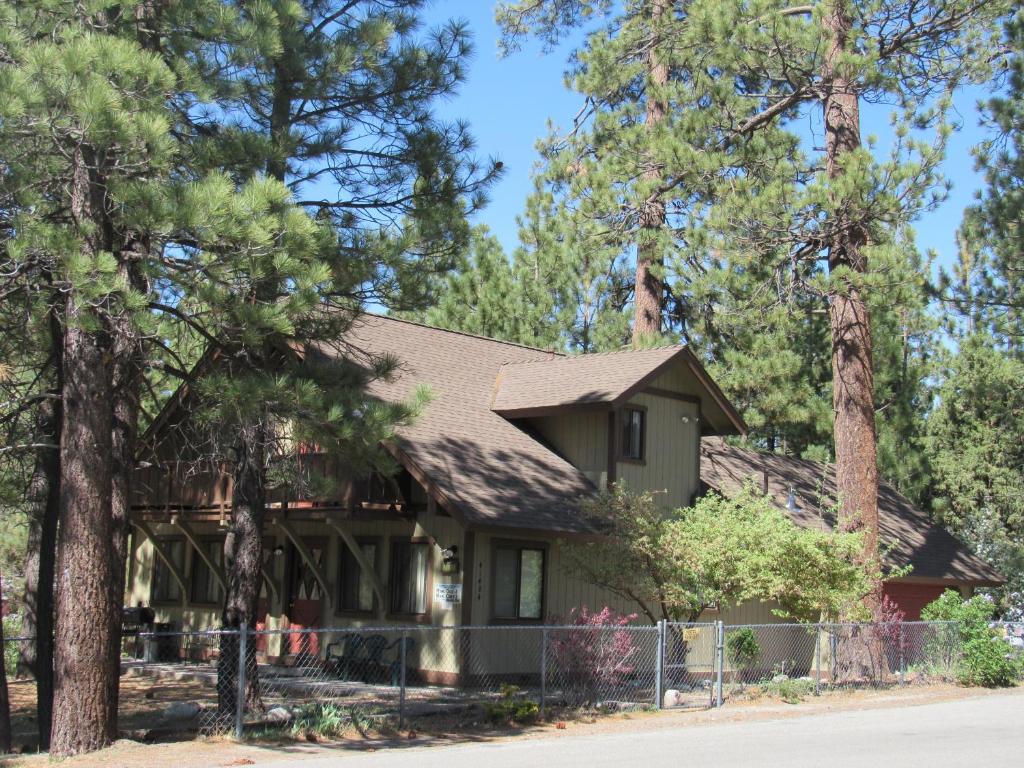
x,y
222,751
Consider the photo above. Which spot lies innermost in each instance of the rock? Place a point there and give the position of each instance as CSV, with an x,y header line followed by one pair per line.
x,y
672,698
780,678
181,710
278,715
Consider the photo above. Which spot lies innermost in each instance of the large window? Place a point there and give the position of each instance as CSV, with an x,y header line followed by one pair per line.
x,y
205,587
632,433
165,588
518,582
408,584
355,589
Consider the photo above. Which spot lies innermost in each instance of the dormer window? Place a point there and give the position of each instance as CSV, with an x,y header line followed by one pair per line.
x,y
633,432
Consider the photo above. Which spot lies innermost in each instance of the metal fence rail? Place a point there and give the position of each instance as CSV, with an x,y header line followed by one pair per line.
x,y
232,680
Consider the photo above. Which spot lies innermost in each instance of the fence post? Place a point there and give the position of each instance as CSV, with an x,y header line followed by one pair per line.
x,y
243,632
817,659
543,669
401,690
659,666
903,657
719,661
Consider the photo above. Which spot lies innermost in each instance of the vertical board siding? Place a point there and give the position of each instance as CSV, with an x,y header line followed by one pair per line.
x,y
670,469
581,437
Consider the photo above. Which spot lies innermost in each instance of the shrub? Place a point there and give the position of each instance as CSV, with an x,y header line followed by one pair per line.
x,y
743,648
512,707
984,659
789,690
12,628
595,655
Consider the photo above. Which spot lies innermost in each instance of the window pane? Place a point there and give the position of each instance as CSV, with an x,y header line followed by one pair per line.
x,y
165,587
531,583
365,584
506,566
409,577
418,580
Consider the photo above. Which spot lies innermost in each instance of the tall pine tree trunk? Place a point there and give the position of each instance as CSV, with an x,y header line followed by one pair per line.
x,y
852,372
649,262
36,654
243,557
88,618
5,701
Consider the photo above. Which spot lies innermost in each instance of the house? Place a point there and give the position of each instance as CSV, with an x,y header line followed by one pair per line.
x,y
491,475
807,491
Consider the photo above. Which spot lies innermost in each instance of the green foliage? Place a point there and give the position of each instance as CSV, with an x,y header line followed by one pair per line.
x,y
985,659
12,628
674,563
743,648
512,707
789,690
977,454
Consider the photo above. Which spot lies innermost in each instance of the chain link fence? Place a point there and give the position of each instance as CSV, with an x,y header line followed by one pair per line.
x,y
452,676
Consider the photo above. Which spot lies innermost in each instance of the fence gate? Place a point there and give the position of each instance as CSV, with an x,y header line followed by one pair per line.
x,y
689,664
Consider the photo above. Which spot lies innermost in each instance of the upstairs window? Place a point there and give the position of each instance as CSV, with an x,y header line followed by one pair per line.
x,y
633,432
518,582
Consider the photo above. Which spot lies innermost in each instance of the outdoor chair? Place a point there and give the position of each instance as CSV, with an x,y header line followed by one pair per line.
x,y
360,657
395,667
342,663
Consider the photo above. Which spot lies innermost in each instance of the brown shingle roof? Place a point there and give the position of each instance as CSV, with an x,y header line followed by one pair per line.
x,y
487,469
533,387
915,540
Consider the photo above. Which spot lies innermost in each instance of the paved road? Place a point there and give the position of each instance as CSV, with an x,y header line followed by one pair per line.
x,y
987,731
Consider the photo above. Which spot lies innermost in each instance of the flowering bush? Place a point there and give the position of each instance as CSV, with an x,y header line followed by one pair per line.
x,y
593,654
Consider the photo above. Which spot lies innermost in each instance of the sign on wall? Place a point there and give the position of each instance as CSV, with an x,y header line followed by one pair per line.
x,y
448,594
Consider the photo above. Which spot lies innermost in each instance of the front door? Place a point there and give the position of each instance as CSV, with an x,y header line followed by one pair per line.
x,y
305,597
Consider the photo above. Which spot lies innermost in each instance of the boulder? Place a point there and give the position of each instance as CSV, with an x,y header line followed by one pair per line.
x,y
181,710
672,698
278,715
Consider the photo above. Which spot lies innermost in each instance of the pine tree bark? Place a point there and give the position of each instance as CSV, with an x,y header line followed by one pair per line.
x,y
5,701
88,618
649,262
36,653
243,557
852,370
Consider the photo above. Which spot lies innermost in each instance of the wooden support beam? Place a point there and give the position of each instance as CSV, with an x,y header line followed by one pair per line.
x,y
305,554
215,568
163,554
365,566
271,588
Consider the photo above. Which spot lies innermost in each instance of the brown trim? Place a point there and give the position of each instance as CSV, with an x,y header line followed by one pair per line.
x,y
424,480
946,581
613,453
642,459
428,604
378,542
716,393
671,394
519,544
548,410
468,569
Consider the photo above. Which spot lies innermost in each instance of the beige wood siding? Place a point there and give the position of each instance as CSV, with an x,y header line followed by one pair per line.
x,y
671,466
581,437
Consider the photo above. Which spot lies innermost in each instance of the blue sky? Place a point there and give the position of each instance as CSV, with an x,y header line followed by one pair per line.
x,y
508,103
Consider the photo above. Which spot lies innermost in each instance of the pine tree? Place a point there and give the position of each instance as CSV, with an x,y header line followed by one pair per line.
x,y
747,195
332,102
987,287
